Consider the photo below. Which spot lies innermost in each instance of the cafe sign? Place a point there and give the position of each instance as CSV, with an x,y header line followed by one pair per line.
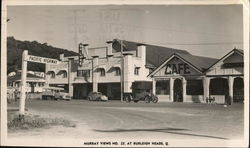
x,y
180,68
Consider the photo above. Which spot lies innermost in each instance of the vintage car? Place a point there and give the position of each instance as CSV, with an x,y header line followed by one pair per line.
x,y
55,93
97,96
62,95
141,92
141,96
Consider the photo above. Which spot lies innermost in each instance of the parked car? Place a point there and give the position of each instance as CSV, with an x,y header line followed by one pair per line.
x,y
141,92
62,95
141,96
97,96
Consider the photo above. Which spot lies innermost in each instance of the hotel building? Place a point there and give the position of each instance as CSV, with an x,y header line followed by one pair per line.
x,y
173,74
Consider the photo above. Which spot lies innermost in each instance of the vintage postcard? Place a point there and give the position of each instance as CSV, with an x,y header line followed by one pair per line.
x,y
125,73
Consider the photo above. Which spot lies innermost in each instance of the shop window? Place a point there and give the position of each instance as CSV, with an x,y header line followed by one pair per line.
x,y
136,71
194,87
117,71
83,73
218,86
162,87
102,72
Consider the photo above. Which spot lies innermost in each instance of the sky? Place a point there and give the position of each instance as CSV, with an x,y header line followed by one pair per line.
x,y
208,30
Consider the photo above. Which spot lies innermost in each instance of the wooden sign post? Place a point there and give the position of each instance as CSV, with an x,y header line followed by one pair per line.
x,y
23,84
25,59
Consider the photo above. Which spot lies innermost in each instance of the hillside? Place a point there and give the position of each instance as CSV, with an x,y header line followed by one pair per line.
x,y
16,47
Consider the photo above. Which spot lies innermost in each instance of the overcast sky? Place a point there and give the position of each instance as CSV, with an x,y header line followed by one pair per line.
x,y
202,30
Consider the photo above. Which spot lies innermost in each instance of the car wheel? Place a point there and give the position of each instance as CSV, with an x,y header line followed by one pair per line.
x,y
147,99
127,99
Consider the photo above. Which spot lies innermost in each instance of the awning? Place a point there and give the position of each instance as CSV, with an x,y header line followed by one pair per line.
x,y
50,71
61,71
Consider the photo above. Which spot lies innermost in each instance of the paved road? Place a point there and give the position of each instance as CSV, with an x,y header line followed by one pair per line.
x,y
140,120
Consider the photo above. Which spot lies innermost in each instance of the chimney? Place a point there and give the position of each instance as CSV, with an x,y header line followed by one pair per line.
x,y
109,52
141,52
61,56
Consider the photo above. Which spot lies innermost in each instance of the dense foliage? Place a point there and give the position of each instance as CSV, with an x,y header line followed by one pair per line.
x,y
16,47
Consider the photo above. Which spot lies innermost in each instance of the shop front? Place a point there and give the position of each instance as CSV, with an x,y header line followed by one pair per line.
x,y
188,78
177,80
226,78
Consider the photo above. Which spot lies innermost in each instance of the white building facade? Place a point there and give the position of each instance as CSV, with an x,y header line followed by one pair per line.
x,y
100,70
174,75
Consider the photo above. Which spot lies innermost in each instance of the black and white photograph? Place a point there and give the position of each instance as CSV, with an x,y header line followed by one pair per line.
x,y
125,74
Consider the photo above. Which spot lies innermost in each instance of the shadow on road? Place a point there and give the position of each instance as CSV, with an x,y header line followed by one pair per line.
x,y
163,130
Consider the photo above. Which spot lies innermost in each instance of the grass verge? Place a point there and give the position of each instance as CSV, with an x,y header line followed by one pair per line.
x,y
35,121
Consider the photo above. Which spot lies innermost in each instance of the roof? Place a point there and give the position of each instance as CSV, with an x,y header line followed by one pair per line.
x,y
155,55
197,62
202,63
18,77
240,51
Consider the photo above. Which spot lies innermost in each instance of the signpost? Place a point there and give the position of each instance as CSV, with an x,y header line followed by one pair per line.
x,y
25,59
23,85
37,59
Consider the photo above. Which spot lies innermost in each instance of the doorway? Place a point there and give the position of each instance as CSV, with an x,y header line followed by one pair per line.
x,y
178,97
238,90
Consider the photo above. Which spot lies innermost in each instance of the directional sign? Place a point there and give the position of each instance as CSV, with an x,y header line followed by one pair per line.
x,y
25,59
41,60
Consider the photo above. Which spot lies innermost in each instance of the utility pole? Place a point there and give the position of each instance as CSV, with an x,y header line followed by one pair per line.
x,y
122,69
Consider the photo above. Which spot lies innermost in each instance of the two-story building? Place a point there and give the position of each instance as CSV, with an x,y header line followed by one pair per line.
x,y
104,69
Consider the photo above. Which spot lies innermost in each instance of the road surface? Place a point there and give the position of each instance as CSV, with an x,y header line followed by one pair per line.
x,y
117,119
